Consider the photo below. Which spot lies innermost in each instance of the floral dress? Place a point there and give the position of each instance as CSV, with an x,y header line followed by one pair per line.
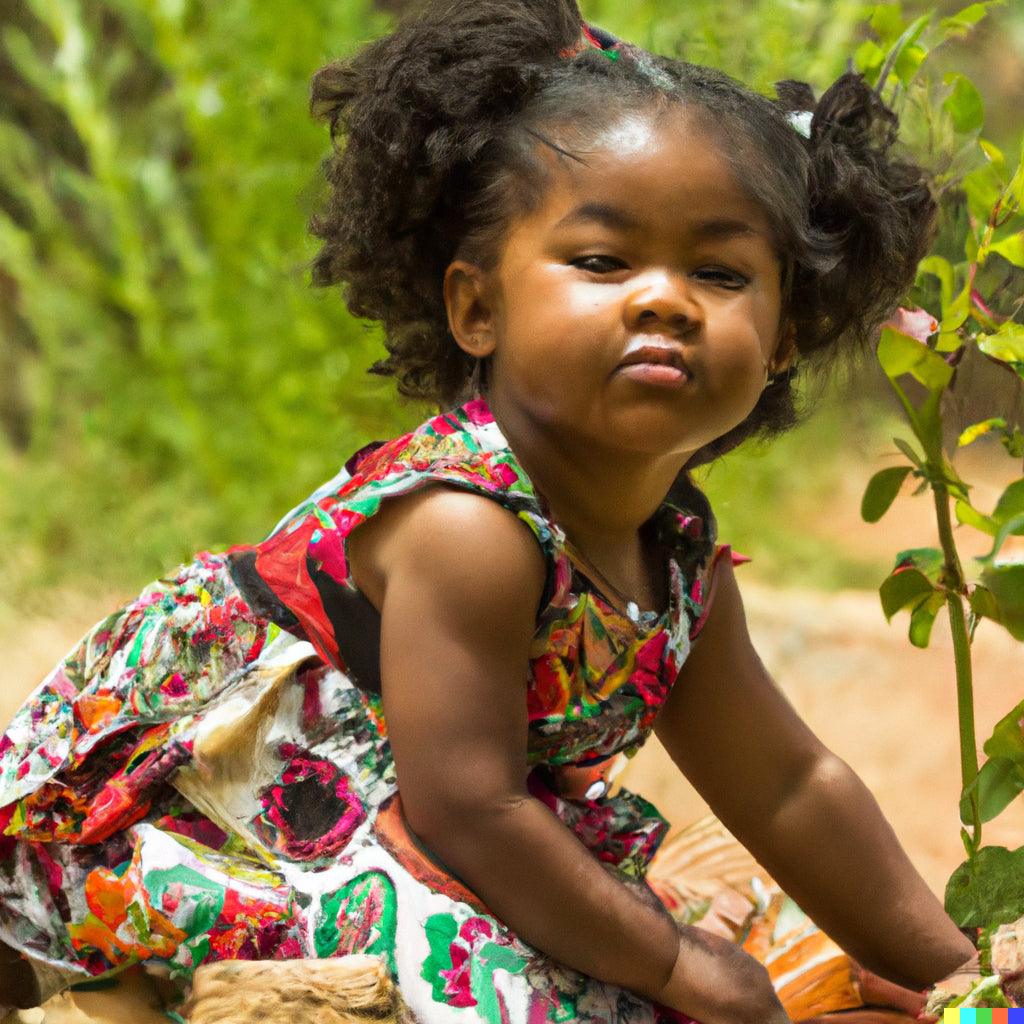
x,y
207,774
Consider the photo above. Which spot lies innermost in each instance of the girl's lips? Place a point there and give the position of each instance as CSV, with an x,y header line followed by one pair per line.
x,y
658,374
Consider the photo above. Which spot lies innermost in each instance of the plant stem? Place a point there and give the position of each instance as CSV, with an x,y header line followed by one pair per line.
x,y
954,581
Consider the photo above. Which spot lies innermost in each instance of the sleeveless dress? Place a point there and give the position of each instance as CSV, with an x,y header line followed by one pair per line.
x,y
207,775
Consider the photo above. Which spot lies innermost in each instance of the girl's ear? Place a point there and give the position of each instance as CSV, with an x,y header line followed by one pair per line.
x,y
785,351
470,313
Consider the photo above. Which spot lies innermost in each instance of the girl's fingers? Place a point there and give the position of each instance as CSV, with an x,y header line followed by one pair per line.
x,y
876,991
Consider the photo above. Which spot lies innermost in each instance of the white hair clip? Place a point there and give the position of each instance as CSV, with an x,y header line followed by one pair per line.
x,y
801,121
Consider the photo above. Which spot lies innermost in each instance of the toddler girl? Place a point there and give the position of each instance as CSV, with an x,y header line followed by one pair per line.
x,y
389,727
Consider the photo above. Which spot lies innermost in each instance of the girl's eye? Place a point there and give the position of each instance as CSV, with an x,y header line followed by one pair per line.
x,y
599,264
723,278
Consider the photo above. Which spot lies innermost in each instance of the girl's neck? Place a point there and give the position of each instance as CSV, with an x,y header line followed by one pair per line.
x,y
599,496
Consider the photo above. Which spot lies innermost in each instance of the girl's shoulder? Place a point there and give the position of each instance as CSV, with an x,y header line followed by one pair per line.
x,y
300,575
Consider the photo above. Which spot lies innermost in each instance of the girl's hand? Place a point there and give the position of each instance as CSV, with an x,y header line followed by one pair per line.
x,y
877,991
716,982
956,983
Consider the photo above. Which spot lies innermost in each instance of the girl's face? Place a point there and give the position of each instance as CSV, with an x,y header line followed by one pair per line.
x,y
650,242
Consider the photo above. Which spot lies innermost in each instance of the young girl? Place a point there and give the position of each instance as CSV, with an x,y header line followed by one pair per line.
x,y
388,728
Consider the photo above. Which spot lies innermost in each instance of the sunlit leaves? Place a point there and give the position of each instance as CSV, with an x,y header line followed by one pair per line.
x,y
904,56
899,354
1006,345
959,24
964,104
1010,248
887,22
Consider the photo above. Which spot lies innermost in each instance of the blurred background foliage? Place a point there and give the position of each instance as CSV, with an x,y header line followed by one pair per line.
x,y
170,382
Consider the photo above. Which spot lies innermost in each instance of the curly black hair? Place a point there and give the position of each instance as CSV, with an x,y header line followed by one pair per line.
x,y
436,131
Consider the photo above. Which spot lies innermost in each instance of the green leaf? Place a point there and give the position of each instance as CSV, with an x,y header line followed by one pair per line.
x,y
976,430
988,890
887,22
1010,248
926,560
953,481
909,62
908,450
1007,739
983,604
925,421
881,492
1008,509
899,354
941,268
1013,442
1006,345
964,104
868,57
1006,582
903,588
963,21
1010,504
1013,196
909,37
970,516
998,783
993,153
1014,526
983,187
922,618
955,315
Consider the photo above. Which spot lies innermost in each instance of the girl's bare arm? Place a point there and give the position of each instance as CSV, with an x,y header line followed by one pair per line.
x,y
801,810
458,581
461,584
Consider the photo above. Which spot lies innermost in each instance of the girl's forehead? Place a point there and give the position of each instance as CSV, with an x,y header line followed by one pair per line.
x,y
662,168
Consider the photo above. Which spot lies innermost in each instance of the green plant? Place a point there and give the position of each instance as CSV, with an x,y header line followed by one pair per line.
x,y
972,283
168,379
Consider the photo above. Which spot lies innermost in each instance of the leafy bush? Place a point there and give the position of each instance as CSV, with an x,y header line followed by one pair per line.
x,y
970,290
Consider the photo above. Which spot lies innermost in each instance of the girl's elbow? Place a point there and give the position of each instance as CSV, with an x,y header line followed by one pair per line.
x,y
453,821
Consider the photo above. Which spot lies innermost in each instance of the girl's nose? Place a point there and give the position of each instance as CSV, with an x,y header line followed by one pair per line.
x,y
664,300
